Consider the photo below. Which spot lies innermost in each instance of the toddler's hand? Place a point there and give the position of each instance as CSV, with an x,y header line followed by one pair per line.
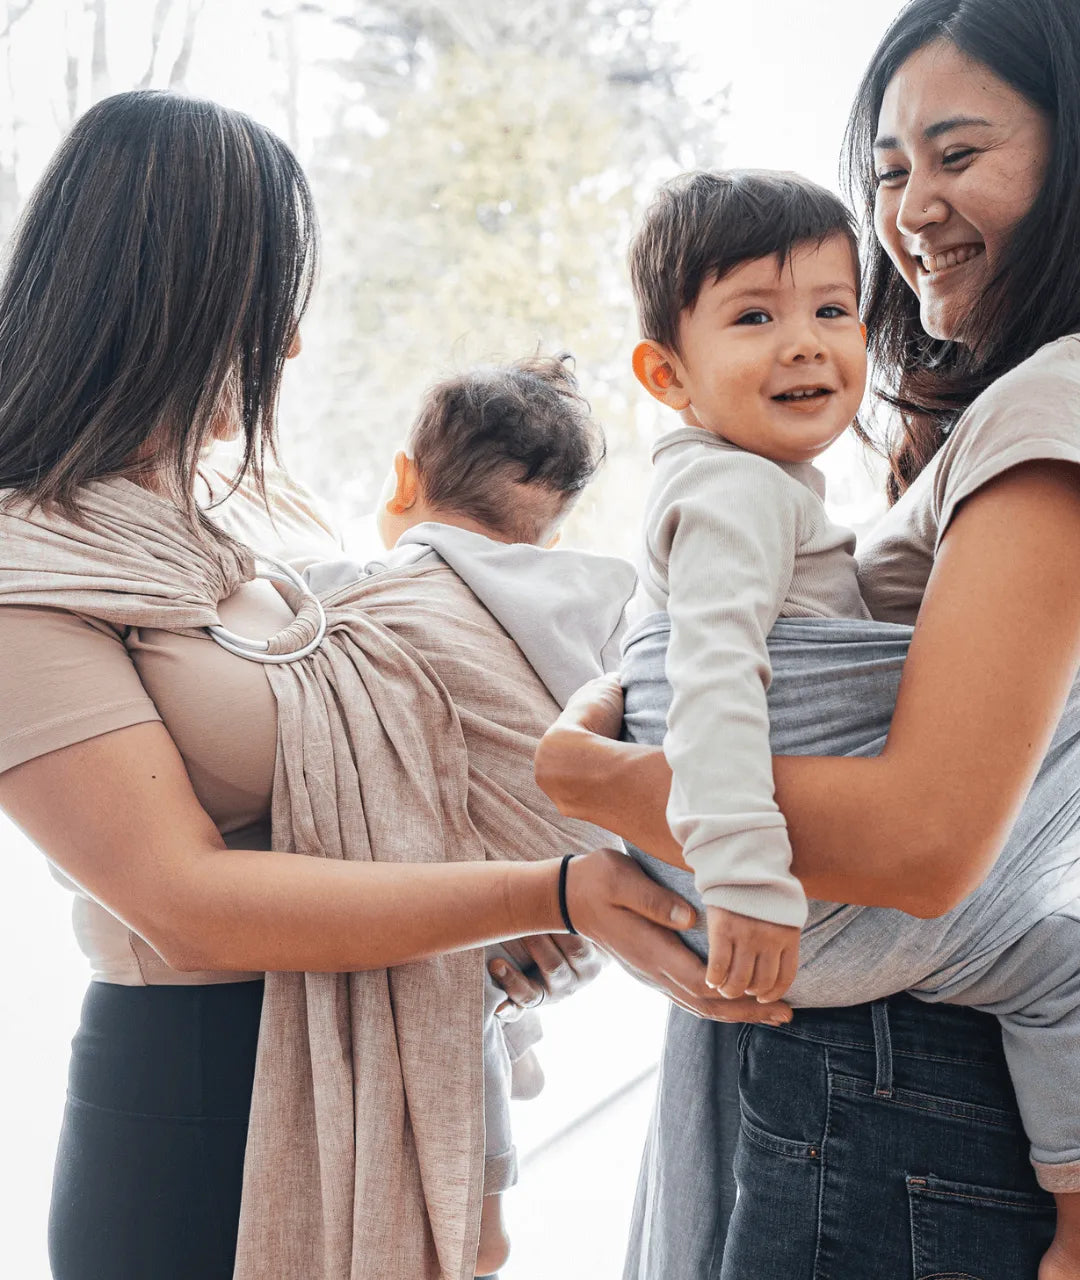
x,y
750,957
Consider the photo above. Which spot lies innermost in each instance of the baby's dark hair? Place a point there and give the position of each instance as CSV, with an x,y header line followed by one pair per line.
x,y
706,223
481,436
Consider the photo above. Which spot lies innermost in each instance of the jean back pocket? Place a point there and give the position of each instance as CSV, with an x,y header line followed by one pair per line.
x,y
965,1232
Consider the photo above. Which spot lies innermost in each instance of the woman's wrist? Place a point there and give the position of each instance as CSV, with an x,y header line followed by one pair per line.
x,y
620,786
532,897
564,910
562,757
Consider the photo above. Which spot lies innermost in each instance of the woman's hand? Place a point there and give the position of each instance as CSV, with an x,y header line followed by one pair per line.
x,y
545,966
620,786
610,899
568,754
597,707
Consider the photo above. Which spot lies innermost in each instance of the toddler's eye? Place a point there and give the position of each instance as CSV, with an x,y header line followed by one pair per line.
x,y
832,312
754,317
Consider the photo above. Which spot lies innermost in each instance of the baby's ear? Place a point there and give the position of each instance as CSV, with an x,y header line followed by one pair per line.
x,y
406,484
657,369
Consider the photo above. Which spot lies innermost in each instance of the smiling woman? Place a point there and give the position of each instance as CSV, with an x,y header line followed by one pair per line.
x,y
966,136
957,170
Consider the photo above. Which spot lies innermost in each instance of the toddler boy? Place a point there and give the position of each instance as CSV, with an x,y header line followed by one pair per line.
x,y
747,286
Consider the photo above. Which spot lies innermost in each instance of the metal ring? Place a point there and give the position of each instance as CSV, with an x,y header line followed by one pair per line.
x,y
256,650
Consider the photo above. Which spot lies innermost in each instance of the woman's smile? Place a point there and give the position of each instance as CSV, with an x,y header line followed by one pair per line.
x,y
934,263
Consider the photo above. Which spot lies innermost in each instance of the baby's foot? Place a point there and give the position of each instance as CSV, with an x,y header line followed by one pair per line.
x,y
494,1242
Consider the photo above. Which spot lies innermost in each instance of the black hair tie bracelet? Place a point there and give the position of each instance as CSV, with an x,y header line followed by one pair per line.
x,y
563,909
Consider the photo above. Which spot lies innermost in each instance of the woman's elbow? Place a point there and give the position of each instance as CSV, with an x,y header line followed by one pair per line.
x,y
183,951
183,939
946,875
930,903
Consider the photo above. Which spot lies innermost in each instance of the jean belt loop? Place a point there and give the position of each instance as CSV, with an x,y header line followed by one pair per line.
x,y
883,1064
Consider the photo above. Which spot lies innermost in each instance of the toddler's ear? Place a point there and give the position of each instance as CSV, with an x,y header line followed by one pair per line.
x,y
656,370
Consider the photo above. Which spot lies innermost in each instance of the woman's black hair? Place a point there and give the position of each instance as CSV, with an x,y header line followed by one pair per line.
x,y
1034,46
153,290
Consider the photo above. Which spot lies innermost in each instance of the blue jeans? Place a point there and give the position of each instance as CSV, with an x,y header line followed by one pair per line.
x,y
882,1141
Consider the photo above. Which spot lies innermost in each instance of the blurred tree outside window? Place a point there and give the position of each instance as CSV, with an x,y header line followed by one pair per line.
x,y
478,168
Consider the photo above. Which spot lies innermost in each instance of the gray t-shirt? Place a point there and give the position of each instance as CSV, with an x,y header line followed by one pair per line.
x,y
1031,413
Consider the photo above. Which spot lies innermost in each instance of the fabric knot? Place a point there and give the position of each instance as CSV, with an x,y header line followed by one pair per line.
x,y
301,632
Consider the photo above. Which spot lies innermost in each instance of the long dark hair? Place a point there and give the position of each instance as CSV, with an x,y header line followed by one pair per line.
x,y
155,282
1034,46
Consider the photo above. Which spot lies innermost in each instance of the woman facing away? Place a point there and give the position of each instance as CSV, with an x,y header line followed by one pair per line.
x,y
884,1140
154,292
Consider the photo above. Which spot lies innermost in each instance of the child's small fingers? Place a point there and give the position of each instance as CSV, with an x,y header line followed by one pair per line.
x,y
720,953
765,975
785,975
789,966
740,973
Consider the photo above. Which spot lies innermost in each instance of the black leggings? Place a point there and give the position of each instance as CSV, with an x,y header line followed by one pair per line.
x,y
151,1155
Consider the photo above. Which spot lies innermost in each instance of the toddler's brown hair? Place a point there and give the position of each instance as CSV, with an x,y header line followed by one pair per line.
x,y
706,223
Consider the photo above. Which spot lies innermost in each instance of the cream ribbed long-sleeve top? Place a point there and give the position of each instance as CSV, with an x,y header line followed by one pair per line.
x,y
734,541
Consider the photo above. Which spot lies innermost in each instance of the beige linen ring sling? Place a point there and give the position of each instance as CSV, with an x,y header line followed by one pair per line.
x,y
406,735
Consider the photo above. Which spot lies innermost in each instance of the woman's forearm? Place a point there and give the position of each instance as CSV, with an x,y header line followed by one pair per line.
x,y
855,835
994,654
117,814
254,910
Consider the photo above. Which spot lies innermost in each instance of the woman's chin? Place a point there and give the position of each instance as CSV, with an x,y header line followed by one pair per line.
x,y
943,320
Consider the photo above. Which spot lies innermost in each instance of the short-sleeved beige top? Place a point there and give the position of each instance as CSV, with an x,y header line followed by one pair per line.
x,y
66,678
1031,413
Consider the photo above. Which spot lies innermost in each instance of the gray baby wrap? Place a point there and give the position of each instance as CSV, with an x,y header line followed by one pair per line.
x,y
833,691
1009,949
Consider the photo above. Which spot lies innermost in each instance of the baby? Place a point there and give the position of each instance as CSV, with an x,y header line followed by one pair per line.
x,y
747,287
491,468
